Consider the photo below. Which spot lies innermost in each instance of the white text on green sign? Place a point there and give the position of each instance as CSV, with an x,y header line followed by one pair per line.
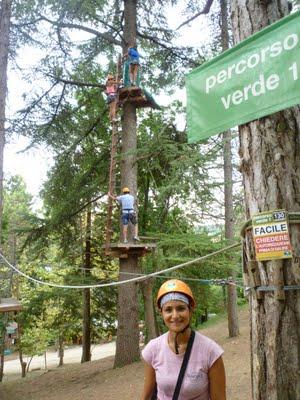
x,y
255,78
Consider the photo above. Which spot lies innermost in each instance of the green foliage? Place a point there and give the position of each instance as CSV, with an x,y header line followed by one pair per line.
x,y
104,312
174,249
36,340
79,42
17,214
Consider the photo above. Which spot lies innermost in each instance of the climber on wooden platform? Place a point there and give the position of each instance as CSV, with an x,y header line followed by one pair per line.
x,y
127,203
133,59
111,91
131,90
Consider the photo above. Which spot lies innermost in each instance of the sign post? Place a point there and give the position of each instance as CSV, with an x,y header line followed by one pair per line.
x,y
271,235
257,77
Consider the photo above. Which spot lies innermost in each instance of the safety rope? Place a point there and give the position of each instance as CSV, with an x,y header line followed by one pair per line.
x,y
273,288
215,282
136,279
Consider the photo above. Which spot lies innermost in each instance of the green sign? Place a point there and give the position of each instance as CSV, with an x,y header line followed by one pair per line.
x,y
259,76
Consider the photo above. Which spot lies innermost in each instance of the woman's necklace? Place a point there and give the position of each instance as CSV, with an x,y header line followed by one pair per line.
x,y
179,349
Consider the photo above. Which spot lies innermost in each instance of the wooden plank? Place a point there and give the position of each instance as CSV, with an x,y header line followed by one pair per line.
x,y
120,245
130,91
122,250
10,304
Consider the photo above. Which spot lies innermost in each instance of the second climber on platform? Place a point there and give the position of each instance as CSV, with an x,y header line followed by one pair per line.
x,y
133,57
127,203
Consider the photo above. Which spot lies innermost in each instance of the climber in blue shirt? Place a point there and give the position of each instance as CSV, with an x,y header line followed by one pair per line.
x,y
133,57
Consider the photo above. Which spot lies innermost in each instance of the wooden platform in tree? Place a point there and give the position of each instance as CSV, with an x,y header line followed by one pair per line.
x,y
122,250
10,304
135,95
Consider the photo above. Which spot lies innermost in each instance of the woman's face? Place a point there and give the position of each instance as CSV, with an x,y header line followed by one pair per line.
x,y
176,315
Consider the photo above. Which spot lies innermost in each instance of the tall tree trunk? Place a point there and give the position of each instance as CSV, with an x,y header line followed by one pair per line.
x,y
127,345
86,328
233,322
22,362
4,320
270,163
61,350
151,326
5,14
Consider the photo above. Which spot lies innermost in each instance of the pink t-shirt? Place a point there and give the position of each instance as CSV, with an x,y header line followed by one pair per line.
x,y
167,364
111,89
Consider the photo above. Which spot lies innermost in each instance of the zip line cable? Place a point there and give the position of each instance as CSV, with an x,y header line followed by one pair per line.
x,y
214,281
136,279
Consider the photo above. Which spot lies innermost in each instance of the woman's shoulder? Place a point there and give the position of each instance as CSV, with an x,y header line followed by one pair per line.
x,y
157,341
207,350
152,348
205,341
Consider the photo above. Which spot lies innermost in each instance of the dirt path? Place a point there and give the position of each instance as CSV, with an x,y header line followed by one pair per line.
x,y
98,381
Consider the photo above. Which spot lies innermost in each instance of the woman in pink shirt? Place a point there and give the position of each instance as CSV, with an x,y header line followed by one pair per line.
x,y
112,96
204,378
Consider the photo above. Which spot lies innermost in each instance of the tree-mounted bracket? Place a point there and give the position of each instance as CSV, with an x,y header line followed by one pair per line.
x,y
124,250
255,283
254,278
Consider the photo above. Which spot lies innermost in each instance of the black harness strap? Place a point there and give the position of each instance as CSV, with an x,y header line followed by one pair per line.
x,y
182,369
154,394
183,366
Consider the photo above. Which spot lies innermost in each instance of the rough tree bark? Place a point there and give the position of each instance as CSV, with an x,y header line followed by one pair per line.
x,y
151,327
270,163
5,14
232,314
61,351
20,350
86,324
127,345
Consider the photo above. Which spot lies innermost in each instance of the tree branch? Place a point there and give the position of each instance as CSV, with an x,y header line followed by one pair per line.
x,y
205,10
27,110
104,36
86,134
170,49
77,83
56,109
85,205
26,23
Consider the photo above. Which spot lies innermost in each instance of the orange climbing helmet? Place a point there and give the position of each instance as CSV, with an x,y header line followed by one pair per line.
x,y
125,190
175,285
